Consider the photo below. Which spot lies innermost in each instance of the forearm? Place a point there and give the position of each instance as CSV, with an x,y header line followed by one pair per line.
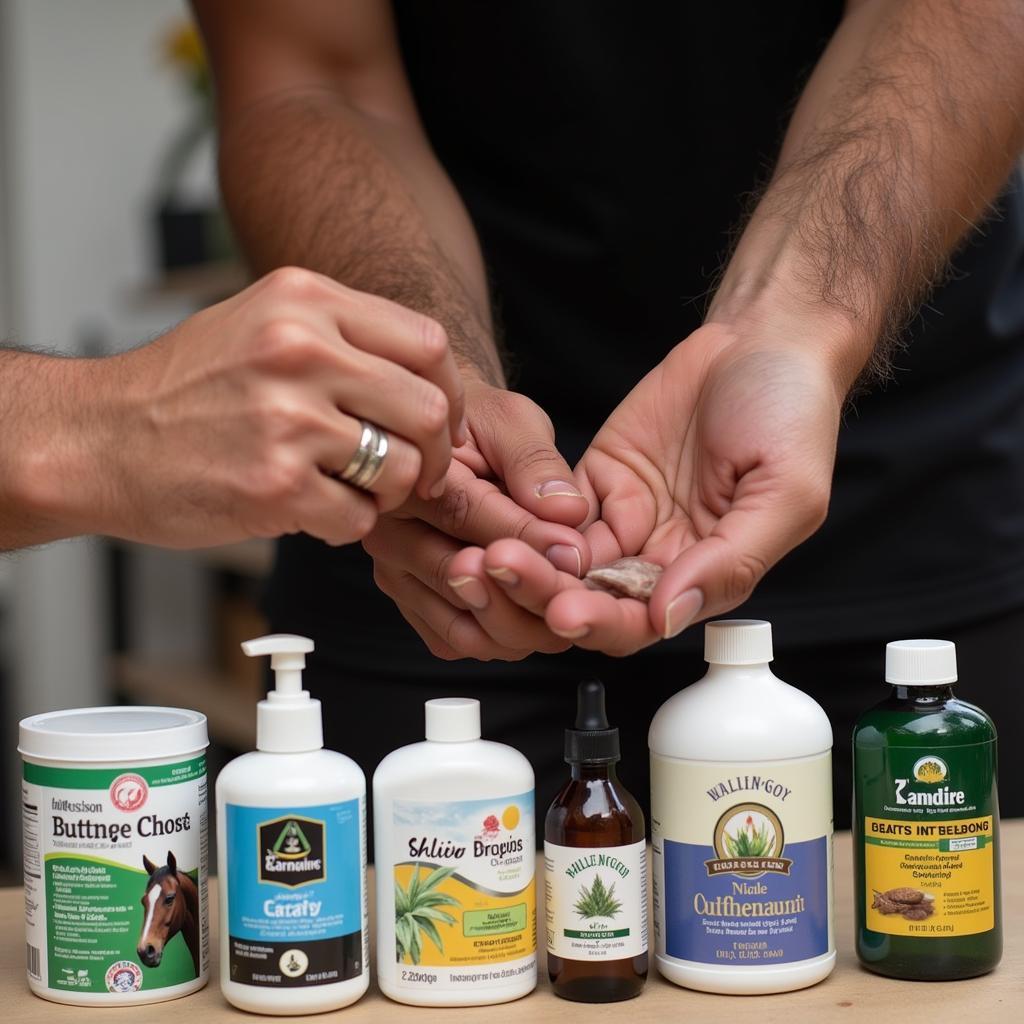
x,y
45,405
906,131
310,180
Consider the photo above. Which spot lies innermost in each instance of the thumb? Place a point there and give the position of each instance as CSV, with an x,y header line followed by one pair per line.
x,y
517,439
721,570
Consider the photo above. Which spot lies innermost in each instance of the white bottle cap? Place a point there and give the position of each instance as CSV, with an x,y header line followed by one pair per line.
x,y
288,721
920,662
738,642
453,719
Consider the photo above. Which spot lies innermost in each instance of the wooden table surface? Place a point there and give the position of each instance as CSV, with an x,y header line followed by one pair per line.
x,y
850,995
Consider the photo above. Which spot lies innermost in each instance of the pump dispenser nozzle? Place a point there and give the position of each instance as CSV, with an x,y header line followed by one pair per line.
x,y
289,720
591,739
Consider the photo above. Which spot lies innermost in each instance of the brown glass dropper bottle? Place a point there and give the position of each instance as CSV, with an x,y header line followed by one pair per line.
x,y
595,859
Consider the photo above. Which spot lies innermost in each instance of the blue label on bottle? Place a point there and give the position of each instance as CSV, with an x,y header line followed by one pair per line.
x,y
746,910
295,890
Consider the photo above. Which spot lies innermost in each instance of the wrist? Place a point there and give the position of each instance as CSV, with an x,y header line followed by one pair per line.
x,y
51,467
768,292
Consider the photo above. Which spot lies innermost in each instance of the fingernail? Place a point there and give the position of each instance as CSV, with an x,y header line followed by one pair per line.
x,y
503,575
558,488
565,557
438,489
682,611
572,634
471,590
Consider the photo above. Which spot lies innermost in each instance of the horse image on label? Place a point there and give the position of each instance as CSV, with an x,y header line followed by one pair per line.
x,y
170,904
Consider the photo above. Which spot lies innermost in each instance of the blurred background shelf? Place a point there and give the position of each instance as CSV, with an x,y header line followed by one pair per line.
x,y
248,558
230,710
197,286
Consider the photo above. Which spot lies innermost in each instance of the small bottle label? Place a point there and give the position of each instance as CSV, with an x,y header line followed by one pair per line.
x,y
929,843
465,903
596,901
742,857
295,894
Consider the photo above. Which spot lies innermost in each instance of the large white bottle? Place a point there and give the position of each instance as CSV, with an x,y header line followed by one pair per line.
x,y
454,853
291,853
741,825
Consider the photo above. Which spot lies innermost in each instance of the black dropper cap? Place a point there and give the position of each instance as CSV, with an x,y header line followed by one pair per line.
x,y
591,740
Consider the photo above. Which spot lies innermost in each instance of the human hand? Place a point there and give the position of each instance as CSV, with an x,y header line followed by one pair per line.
x,y
716,465
508,480
230,425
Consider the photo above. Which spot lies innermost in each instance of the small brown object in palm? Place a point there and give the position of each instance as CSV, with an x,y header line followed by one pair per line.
x,y
626,577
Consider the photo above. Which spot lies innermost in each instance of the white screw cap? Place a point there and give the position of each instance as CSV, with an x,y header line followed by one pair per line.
x,y
453,719
920,662
738,642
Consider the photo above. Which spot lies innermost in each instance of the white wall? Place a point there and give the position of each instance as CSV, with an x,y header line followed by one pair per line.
x,y
88,109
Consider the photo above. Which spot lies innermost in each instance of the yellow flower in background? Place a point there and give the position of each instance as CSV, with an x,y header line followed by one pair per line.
x,y
184,49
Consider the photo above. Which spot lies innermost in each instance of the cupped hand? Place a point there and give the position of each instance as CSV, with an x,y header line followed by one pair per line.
x,y
717,464
507,481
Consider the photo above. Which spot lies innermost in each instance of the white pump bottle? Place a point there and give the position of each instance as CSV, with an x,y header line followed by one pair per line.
x,y
291,855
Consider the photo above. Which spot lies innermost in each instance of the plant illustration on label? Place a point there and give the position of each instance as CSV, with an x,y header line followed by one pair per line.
x,y
417,912
597,900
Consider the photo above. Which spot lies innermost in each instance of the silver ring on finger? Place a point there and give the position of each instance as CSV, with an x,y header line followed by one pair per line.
x,y
367,462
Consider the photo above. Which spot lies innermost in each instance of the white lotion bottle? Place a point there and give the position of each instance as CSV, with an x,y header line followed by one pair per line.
x,y
291,855
741,825
454,846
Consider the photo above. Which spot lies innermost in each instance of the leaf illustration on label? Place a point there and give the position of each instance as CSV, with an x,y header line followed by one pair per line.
x,y
597,901
416,912
748,843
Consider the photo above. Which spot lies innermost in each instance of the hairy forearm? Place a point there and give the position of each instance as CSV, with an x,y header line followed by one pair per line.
x,y
906,131
45,408
311,180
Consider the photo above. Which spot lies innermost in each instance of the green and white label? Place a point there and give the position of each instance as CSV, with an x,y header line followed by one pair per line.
x,y
115,877
596,901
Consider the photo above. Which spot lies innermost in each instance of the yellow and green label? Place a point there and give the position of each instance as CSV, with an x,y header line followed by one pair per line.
x,y
929,839
465,898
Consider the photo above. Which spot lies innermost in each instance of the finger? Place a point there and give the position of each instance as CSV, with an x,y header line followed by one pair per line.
x,y
403,336
475,511
391,397
399,471
335,512
409,547
526,577
437,647
516,437
500,617
458,630
379,326
596,621
626,506
720,571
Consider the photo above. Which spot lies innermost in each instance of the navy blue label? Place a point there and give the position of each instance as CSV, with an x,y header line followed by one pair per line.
x,y
713,916
295,894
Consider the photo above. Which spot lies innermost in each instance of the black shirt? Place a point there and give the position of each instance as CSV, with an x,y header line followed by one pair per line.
x,y
604,150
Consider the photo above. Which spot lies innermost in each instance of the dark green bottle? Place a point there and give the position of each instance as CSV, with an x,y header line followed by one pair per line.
x,y
926,824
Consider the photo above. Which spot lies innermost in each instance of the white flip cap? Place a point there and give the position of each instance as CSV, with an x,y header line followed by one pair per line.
x,y
738,642
289,721
452,719
920,662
